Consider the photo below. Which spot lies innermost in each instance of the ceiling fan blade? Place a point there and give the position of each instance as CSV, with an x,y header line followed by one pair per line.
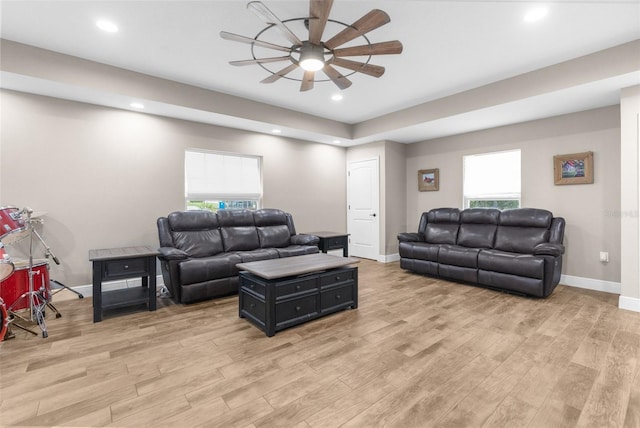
x,y
337,78
260,60
277,75
384,48
320,10
372,20
361,67
307,81
250,41
268,17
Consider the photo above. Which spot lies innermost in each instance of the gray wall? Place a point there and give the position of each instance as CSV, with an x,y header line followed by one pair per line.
x,y
104,175
589,209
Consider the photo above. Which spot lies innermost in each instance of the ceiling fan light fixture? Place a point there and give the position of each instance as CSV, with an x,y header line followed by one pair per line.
x,y
311,57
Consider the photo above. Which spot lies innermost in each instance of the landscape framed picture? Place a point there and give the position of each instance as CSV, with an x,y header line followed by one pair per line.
x,y
575,168
428,180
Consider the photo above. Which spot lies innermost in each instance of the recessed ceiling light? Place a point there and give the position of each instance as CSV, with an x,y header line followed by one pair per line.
x,y
336,97
536,14
107,26
337,142
137,105
276,131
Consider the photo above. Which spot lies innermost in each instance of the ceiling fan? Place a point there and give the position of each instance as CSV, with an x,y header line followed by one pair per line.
x,y
313,55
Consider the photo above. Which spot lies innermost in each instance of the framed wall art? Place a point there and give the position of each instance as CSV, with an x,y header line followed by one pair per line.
x,y
428,180
575,168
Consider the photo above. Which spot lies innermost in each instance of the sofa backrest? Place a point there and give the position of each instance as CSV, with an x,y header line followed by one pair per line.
x,y
520,230
441,226
272,227
478,227
194,232
238,230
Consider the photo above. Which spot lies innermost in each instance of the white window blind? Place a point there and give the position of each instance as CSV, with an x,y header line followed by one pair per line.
x,y
492,176
221,176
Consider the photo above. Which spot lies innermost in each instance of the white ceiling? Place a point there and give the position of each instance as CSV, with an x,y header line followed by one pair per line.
x,y
449,47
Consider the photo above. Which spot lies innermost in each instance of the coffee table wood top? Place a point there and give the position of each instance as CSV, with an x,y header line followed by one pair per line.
x,y
297,265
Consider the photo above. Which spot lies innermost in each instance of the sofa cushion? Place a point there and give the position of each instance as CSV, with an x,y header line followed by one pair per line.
x,y
204,269
269,217
441,233
520,230
511,263
297,250
419,250
273,236
257,255
526,217
458,256
196,233
478,227
240,238
238,230
442,226
231,218
443,215
514,283
520,239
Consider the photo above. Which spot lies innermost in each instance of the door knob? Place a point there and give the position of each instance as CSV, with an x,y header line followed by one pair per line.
x,y
373,215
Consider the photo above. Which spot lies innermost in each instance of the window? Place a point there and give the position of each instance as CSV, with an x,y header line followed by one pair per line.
x,y
492,180
215,181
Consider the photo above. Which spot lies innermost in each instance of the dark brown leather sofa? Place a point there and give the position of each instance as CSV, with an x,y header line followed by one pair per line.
x,y
518,250
199,250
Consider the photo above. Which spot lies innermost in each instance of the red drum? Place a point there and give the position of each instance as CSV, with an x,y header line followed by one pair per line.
x,y
6,266
12,227
17,284
4,320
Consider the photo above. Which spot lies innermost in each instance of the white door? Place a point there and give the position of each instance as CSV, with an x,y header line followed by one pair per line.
x,y
363,213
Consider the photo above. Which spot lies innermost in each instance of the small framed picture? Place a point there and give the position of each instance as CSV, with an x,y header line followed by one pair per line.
x,y
428,180
576,168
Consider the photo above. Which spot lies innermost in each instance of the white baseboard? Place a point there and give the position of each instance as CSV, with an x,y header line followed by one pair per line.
x,y
591,284
629,303
389,258
87,290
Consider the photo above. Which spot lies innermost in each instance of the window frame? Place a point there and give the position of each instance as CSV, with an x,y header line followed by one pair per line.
x,y
204,198
497,197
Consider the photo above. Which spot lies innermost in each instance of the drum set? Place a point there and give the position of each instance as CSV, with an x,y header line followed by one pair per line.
x,y
24,284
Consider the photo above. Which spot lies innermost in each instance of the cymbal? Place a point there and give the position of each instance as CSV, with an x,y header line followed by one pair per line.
x,y
38,214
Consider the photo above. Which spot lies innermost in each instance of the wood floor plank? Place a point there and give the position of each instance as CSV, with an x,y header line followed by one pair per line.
x,y
417,352
610,395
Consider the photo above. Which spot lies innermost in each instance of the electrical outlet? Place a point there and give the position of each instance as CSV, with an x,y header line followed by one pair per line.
x,y
604,256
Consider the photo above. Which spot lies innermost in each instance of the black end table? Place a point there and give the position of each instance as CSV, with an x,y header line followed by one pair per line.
x,y
332,241
123,263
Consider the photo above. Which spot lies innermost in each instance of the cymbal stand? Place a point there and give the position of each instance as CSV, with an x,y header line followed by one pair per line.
x,y
48,253
37,299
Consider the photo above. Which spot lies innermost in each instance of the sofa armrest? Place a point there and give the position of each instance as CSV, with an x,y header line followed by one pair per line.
x,y
170,253
411,237
548,249
304,239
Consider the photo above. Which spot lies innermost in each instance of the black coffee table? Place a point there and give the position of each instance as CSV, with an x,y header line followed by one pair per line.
x,y
280,293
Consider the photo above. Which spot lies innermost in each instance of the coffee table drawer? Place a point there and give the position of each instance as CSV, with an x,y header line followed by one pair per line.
x,y
253,286
336,277
298,285
339,297
253,307
293,310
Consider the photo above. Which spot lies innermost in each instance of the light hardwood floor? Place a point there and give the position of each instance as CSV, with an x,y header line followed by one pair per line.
x,y
418,352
